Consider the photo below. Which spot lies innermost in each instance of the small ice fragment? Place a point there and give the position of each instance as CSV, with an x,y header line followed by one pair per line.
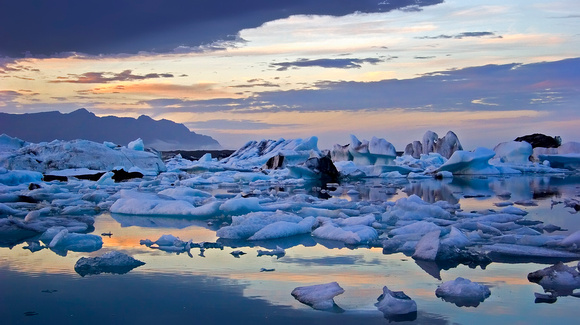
x,y
462,292
396,305
318,296
237,253
278,252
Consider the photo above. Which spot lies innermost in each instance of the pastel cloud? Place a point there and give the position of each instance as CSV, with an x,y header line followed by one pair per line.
x,y
106,77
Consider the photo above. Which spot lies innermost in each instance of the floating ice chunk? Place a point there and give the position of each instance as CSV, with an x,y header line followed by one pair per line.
x,y
365,220
239,205
255,154
140,206
6,210
455,238
110,262
58,155
428,246
396,305
349,235
185,194
378,151
528,251
16,177
60,239
414,208
319,296
514,152
282,229
470,162
572,240
245,226
278,252
462,292
558,279
419,228
136,145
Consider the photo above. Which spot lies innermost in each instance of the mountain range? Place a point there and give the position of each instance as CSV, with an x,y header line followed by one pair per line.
x,y
162,135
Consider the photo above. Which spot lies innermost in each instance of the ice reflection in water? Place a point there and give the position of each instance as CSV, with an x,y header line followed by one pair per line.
x,y
219,288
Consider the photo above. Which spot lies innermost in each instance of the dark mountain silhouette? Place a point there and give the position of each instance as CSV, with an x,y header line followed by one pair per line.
x,y
82,124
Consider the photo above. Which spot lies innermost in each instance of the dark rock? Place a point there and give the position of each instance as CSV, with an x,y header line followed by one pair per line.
x,y
274,162
541,140
325,167
50,178
121,175
33,186
91,177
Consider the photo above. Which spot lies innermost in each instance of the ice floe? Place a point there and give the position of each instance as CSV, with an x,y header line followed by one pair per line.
x,y
462,292
396,305
110,262
319,296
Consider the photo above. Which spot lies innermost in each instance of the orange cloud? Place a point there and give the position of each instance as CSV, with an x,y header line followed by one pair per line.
x,y
198,91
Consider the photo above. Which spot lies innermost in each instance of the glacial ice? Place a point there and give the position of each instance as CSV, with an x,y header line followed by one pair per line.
x,y
558,279
110,262
16,177
58,155
462,292
62,240
470,162
396,305
319,296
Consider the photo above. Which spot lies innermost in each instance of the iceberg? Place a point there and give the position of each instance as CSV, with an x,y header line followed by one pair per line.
x,y
558,279
462,292
58,155
319,296
396,305
470,162
110,262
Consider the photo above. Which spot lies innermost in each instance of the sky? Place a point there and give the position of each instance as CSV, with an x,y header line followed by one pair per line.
x,y
259,69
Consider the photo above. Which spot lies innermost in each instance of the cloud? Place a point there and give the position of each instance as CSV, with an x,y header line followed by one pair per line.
x,y
256,83
512,86
200,91
326,63
461,35
493,87
126,26
223,124
106,77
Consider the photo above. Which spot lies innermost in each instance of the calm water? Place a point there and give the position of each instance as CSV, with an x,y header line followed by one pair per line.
x,y
43,288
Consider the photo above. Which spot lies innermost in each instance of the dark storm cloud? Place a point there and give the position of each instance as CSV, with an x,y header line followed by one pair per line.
x,y
460,35
127,26
104,77
325,63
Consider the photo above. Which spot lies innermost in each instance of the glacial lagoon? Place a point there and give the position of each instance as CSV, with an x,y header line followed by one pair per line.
x,y
215,287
